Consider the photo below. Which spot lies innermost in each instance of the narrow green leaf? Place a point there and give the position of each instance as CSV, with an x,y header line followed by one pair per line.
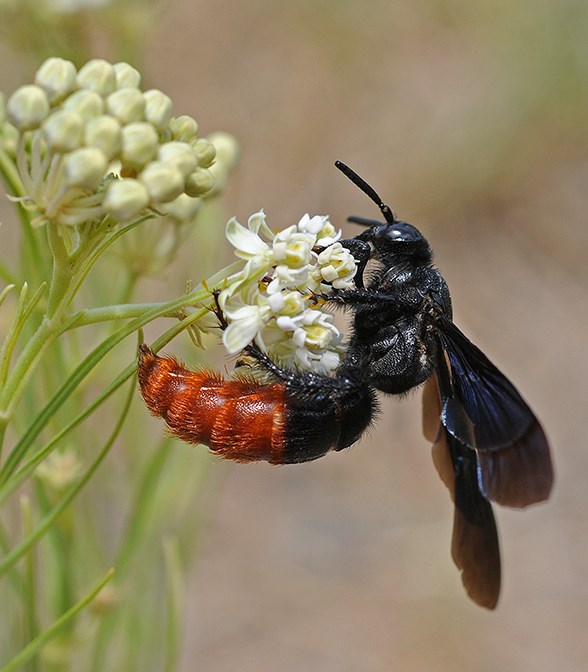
x,y
46,523
175,588
52,630
84,368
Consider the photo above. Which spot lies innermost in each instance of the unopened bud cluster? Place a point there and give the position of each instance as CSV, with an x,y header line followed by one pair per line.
x,y
91,143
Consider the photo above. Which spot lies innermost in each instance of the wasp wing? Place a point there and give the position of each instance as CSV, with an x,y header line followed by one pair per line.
x,y
483,410
474,544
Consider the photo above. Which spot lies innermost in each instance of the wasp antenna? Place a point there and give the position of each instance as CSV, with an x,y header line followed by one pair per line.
x,y
363,221
368,191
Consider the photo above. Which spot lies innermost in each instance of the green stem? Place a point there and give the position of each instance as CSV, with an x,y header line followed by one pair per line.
x,y
49,520
14,576
62,272
128,285
35,262
11,176
47,333
27,469
130,310
85,258
51,631
87,364
117,312
173,568
65,282
139,515
59,541
26,364
31,624
138,518
24,308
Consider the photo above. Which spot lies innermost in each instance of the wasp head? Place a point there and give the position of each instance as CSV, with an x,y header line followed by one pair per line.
x,y
392,241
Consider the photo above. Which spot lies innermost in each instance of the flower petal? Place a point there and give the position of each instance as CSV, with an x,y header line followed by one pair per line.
x,y
256,223
239,334
243,240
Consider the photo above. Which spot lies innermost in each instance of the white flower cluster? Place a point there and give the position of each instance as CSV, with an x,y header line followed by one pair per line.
x,y
80,130
272,300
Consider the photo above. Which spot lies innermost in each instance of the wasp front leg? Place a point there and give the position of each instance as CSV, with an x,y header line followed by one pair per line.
x,y
403,300
361,252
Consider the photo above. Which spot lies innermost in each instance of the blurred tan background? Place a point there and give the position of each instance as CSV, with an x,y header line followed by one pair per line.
x,y
470,119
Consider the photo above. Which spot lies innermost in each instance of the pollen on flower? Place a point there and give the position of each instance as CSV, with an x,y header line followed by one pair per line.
x,y
270,301
74,128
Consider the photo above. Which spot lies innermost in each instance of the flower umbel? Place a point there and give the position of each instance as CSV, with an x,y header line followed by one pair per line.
x,y
272,300
79,131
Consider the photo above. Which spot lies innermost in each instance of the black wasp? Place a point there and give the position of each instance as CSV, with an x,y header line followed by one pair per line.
x,y
487,443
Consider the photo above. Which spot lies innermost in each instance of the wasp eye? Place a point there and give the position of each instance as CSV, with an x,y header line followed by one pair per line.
x,y
399,232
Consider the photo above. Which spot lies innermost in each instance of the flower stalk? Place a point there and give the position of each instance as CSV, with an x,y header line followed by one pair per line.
x,y
90,161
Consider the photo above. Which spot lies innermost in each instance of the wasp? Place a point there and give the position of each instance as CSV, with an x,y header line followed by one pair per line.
x,y
488,446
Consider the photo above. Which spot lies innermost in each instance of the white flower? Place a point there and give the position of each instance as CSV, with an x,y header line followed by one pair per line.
x,y
77,128
321,227
324,362
337,266
270,301
246,323
247,243
249,246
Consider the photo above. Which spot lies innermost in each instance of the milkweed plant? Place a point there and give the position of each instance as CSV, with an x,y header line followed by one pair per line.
x,y
107,182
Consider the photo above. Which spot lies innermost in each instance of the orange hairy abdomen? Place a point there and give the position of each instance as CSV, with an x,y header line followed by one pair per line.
x,y
239,419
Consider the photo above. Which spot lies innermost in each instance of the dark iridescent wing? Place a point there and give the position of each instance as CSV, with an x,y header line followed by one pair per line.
x,y
483,410
474,544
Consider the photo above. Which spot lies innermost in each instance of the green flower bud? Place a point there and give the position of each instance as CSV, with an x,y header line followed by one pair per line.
x,y
126,76
199,183
57,77
220,177
227,149
84,167
139,142
124,199
183,128
97,75
127,105
163,181
205,151
27,107
59,470
179,154
158,108
227,155
87,103
104,133
182,209
63,131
